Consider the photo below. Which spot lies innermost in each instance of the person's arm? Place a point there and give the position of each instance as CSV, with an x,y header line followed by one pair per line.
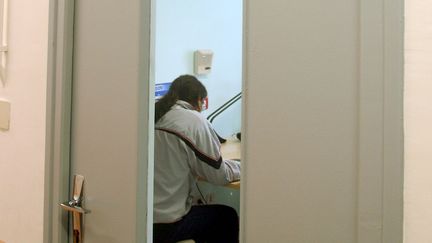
x,y
206,161
228,171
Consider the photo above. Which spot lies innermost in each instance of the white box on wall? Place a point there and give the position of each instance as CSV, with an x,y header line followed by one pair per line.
x,y
4,115
203,61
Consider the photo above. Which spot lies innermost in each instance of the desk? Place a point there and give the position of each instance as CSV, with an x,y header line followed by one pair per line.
x,y
231,149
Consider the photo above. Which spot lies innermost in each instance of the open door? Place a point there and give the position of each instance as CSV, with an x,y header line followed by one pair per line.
x,y
101,90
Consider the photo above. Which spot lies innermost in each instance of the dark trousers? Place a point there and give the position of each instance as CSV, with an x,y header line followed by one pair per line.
x,y
203,224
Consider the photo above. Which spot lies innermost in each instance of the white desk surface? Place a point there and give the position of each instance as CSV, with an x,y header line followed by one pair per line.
x,y
231,149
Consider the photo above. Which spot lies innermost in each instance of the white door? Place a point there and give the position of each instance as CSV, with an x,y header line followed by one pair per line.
x,y
323,102
108,122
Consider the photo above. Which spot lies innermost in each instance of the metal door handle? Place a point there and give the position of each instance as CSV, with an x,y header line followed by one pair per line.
x,y
74,206
77,209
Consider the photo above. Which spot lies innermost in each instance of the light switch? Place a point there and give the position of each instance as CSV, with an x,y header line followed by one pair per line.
x,y
4,115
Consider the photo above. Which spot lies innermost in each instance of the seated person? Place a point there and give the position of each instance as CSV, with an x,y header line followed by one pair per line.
x,y
186,147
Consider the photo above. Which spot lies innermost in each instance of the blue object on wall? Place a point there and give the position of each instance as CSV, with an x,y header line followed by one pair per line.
x,y
161,89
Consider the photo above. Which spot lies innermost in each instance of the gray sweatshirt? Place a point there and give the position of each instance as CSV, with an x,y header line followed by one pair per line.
x,y
186,147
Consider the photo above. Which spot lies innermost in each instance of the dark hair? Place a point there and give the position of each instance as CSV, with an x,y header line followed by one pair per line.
x,y
187,88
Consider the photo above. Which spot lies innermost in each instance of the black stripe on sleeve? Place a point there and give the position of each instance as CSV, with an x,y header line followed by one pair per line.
x,y
200,155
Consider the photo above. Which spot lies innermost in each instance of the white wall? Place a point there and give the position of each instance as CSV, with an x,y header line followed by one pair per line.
x,y
418,120
185,26
22,149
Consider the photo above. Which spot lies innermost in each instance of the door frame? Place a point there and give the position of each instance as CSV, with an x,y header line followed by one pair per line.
x,y
59,104
58,122
380,143
385,201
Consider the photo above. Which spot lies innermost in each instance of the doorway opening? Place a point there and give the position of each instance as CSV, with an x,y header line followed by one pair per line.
x,y
204,38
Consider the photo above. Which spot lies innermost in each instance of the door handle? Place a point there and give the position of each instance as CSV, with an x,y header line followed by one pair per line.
x,y
74,206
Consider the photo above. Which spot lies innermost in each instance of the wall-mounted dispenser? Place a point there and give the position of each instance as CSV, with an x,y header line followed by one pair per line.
x,y
203,61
